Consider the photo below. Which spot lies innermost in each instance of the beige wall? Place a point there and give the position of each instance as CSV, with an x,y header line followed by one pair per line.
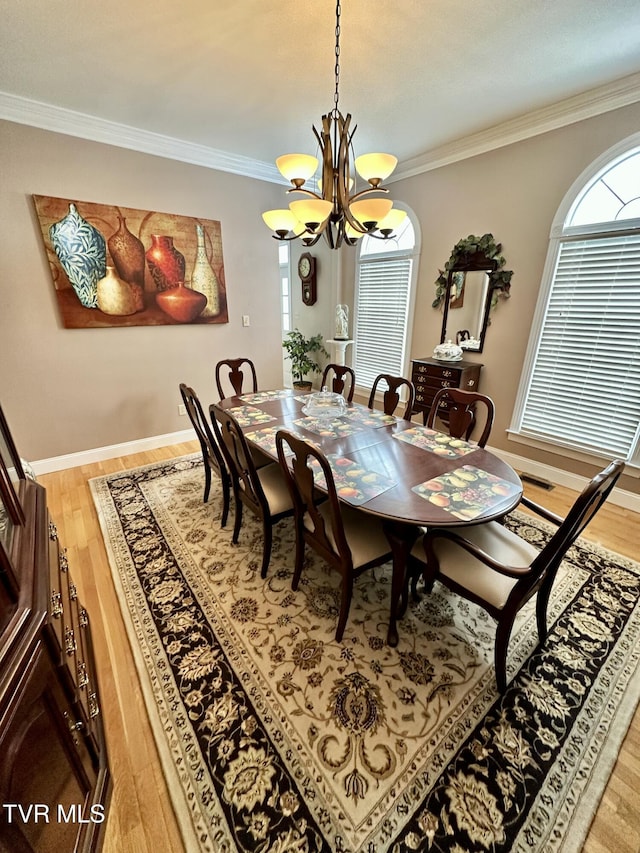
x,y
514,193
69,390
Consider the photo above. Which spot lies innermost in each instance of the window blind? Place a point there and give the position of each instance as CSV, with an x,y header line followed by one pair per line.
x,y
584,389
381,318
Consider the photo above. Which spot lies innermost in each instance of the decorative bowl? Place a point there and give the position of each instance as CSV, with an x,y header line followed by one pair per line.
x,y
447,352
325,404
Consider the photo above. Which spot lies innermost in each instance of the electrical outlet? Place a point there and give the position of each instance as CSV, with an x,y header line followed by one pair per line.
x,y
182,409
245,320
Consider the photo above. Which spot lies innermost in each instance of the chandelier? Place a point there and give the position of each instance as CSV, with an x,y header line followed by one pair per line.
x,y
331,210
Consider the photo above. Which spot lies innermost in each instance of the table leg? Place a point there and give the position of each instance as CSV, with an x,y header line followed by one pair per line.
x,y
401,539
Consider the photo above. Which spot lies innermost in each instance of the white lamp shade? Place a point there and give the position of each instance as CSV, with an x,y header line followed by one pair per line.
x,y
371,209
311,210
394,218
282,220
375,167
297,166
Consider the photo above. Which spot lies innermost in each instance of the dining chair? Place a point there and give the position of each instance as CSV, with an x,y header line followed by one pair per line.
x,y
232,370
343,380
499,570
391,397
212,457
348,539
462,412
262,490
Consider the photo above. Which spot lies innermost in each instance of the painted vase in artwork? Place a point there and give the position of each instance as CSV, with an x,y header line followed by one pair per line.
x,y
116,296
203,278
166,263
127,254
181,303
82,252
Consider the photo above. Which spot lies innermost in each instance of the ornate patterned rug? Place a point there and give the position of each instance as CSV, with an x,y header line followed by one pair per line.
x,y
276,738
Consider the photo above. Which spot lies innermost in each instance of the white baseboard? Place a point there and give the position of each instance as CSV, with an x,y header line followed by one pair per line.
x,y
99,454
620,497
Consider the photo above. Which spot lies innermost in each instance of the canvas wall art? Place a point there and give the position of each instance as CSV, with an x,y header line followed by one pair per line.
x,y
116,266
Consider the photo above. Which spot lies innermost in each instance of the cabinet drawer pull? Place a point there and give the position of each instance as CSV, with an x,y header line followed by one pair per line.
x,y
445,384
53,532
70,645
94,708
81,672
471,383
447,373
56,605
73,727
422,368
73,592
83,618
64,561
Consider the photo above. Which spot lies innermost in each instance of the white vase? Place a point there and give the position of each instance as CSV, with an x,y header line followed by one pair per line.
x,y
204,279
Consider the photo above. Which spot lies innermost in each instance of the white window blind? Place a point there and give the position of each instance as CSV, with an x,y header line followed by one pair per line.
x,y
584,389
382,305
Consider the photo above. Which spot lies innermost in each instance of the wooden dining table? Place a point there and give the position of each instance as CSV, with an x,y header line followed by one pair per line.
x,y
407,475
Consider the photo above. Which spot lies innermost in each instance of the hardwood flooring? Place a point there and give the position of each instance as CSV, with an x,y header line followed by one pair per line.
x,y
141,818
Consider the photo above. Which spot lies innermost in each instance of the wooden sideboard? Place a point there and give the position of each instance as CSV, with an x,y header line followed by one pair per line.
x,y
55,782
429,376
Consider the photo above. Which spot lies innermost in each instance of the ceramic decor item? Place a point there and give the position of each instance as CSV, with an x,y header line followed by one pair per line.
x,y
116,296
203,278
127,254
448,352
166,263
82,253
181,303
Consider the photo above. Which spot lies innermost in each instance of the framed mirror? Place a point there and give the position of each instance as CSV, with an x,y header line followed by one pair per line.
x,y
468,288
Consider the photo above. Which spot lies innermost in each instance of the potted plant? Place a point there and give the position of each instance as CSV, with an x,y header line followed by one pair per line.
x,y
299,352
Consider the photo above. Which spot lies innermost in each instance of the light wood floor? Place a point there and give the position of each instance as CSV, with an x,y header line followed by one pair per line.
x,y
141,818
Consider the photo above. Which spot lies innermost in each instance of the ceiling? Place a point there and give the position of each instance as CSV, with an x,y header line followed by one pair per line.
x,y
250,77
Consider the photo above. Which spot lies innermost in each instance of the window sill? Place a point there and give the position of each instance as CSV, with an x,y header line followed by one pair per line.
x,y
632,468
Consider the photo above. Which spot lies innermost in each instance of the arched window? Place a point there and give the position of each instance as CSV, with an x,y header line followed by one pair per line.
x,y
386,274
580,387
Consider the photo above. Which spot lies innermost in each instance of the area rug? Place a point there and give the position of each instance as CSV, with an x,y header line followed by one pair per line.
x,y
276,738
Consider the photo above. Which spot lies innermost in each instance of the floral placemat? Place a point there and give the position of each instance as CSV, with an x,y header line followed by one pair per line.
x,y
335,428
435,442
369,418
466,492
266,439
248,415
354,484
265,396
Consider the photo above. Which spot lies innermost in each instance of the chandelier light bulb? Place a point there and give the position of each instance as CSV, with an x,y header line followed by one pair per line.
x,y
311,211
374,168
369,211
297,168
282,222
391,221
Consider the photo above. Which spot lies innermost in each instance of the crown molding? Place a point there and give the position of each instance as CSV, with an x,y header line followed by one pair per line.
x,y
595,102
620,93
84,126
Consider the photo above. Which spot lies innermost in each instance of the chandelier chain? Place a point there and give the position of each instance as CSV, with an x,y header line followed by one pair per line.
x,y
337,67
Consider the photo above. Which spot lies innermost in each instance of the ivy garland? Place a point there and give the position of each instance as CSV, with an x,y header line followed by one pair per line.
x,y
499,279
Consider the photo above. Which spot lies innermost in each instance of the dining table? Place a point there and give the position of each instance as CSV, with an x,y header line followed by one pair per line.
x,y
409,476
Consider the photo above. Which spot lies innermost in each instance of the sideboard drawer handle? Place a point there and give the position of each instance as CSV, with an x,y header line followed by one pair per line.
x,y
471,383
56,605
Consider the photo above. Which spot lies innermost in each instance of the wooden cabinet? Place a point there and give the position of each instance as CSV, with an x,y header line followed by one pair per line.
x,y
429,376
54,775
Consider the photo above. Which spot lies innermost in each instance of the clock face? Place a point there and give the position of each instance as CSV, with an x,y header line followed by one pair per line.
x,y
304,267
